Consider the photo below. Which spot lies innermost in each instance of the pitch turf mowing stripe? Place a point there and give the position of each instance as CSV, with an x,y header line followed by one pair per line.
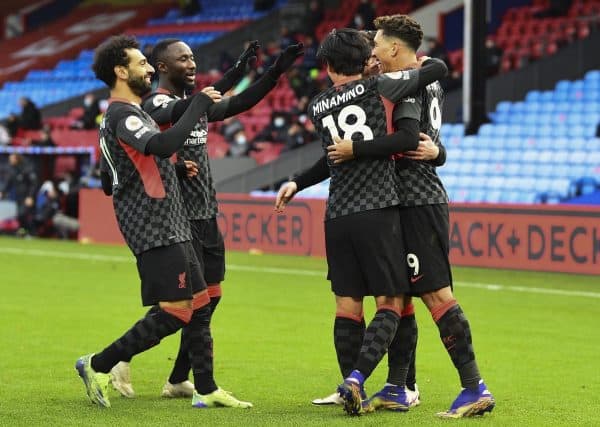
x,y
318,273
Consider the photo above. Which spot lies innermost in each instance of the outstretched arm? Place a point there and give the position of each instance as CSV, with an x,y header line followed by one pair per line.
x,y
235,73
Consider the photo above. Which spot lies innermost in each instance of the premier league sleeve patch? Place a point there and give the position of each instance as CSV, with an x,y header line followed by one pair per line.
x,y
133,123
161,100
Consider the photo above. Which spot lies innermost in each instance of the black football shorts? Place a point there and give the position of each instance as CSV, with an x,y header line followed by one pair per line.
x,y
169,273
365,254
425,230
210,249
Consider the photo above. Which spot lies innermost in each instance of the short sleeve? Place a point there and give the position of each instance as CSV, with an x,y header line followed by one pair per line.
x,y
135,130
407,108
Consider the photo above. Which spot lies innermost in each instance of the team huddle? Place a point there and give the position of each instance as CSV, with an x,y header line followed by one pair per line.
x,y
386,223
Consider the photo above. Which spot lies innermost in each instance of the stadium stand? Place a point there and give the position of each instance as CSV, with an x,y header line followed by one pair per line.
x,y
528,33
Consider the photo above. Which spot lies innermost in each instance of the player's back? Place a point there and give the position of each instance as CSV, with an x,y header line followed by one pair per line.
x,y
355,110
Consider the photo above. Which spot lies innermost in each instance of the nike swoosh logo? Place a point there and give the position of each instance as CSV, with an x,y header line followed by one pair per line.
x,y
415,279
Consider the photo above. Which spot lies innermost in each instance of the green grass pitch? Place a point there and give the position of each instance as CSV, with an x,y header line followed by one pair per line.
x,y
536,338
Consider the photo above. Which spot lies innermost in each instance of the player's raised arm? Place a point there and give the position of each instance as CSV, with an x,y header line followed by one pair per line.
x,y
168,142
235,73
258,90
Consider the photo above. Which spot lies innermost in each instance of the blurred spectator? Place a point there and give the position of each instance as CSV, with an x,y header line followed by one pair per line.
x,y
452,81
234,132
493,57
286,38
296,136
364,16
301,82
435,49
12,124
5,137
45,139
309,60
275,131
230,127
301,106
91,111
313,17
49,213
92,179
190,7
20,186
30,118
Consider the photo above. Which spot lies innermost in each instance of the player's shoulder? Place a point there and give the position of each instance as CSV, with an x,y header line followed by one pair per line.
x,y
394,76
158,99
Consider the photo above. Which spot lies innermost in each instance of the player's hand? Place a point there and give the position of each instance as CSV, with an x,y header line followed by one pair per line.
x,y
287,58
341,151
248,56
214,94
191,168
426,150
285,195
28,201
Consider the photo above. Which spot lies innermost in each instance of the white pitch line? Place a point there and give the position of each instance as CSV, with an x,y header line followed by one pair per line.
x,y
273,270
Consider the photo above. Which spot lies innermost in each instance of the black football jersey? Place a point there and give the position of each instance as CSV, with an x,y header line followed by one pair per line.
x,y
199,194
146,195
360,110
418,181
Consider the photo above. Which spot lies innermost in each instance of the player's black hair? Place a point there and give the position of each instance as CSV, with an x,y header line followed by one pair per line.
x,y
370,36
158,52
110,54
403,27
345,50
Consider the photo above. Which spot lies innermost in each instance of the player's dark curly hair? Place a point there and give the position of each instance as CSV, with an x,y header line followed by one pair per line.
x,y
403,27
370,36
345,50
159,50
110,54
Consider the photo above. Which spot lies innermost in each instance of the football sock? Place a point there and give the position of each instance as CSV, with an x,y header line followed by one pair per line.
x,y
455,333
146,333
181,367
402,349
378,336
214,292
348,334
197,333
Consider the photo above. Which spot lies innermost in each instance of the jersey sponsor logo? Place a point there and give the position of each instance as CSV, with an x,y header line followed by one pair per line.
x,y
338,99
197,137
161,100
409,100
133,123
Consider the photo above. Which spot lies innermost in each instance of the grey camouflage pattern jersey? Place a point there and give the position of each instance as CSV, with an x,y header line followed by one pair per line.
x,y
146,195
360,110
199,194
418,181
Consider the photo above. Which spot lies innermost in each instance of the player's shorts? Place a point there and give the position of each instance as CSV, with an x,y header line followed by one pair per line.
x,y
169,273
425,230
210,248
365,254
